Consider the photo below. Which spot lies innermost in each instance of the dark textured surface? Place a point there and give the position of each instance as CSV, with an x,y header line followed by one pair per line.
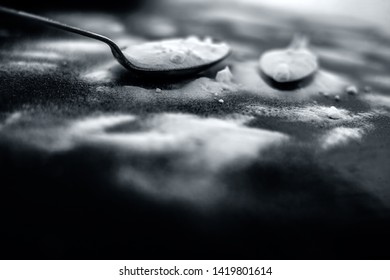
x,y
97,164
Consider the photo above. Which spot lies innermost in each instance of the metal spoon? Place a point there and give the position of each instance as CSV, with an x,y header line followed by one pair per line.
x,y
117,52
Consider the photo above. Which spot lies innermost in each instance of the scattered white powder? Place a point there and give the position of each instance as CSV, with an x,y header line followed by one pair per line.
x,y
340,136
198,138
33,54
14,117
67,136
316,113
176,53
201,89
101,74
69,46
98,123
310,114
198,149
205,142
11,119
37,67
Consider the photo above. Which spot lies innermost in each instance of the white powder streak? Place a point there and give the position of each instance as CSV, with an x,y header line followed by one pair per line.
x,y
315,114
340,136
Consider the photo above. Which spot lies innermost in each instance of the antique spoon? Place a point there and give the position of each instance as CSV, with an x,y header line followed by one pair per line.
x,y
170,70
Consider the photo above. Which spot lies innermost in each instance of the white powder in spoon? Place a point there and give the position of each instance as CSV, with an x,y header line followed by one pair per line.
x,y
176,54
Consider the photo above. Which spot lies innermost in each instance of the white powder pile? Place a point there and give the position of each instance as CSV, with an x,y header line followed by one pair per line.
x,y
335,114
340,136
224,76
176,53
11,119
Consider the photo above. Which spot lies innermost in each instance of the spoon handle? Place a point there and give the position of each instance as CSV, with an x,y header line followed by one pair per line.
x,y
59,25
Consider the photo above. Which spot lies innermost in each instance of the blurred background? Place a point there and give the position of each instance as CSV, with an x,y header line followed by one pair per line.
x,y
374,11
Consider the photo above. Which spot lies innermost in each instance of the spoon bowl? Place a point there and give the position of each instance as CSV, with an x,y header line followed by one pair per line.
x,y
290,65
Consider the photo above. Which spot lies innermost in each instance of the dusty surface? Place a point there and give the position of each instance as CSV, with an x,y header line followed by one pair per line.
x,y
96,163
